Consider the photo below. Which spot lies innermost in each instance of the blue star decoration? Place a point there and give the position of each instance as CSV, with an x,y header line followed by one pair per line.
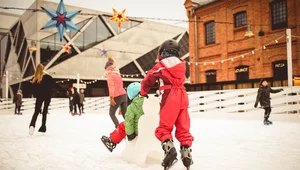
x,y
61,19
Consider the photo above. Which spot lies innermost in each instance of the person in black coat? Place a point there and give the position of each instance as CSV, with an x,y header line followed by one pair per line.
x,y
18,102
75,100
263,96
41,89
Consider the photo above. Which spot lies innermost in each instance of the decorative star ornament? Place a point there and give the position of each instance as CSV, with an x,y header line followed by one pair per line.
x,y
103,51
119,17
61,19
67,48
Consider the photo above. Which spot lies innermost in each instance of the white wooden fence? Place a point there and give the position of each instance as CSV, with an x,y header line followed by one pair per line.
x,y
227,101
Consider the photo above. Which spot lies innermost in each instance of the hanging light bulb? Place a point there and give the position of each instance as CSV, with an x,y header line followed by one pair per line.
x,y
242,56
232,59
249,33
32,46
213,63
264,47
205,64
222,61
276,41
252,51
261,33
196,64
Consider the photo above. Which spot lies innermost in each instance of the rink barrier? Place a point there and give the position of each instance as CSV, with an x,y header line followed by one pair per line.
x,y
242,100
227,101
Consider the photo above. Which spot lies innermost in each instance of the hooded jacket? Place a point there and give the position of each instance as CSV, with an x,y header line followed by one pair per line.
x,y
114,81
263,95
171,75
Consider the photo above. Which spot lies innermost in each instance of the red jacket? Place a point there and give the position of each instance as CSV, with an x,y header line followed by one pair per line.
x,y
171,75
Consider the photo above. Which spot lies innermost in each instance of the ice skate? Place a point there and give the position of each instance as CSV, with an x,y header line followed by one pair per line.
x,y
110,145
31,130
267,122
170,155
42,129
186,157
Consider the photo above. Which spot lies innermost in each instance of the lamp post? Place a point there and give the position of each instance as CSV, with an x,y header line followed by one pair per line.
x,y
289,57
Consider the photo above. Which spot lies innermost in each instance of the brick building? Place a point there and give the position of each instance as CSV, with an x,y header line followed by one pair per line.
x,y
221,57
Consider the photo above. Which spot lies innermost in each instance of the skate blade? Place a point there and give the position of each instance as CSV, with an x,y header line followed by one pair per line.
x,y
105,145
170,166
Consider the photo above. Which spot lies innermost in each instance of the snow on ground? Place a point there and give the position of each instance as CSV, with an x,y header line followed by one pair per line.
x,y
222,142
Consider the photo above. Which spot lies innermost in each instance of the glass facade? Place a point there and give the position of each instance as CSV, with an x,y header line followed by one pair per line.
x,y
29,70
95,33
50,46
79,26
124,26
4,51
20,38
65,56
22,56
14,29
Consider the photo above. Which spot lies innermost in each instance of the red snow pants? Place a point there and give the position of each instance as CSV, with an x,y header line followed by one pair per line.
x,y
174,112
118,134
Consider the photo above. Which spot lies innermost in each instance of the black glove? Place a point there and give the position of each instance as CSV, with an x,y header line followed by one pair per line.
x,y
145,95
131,137
255,105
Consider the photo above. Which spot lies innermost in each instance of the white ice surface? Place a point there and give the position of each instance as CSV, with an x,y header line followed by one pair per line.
x,y
222,142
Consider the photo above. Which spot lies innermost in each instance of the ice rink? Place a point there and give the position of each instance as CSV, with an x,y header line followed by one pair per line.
x,y
223,141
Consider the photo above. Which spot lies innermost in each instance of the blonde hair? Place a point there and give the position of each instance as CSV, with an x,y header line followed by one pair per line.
x,y
39,73
110,58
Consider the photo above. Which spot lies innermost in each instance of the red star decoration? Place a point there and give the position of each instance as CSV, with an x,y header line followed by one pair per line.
x,y
67,48
119,17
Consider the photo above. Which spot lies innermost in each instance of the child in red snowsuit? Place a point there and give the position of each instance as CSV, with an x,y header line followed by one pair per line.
x,y
170,71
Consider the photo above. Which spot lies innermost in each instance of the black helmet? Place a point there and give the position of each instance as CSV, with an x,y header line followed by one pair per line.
x,y
170,46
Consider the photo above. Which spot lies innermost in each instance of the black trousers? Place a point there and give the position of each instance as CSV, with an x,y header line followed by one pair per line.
x,y
267,112
38,104
120,101
81,107
17,108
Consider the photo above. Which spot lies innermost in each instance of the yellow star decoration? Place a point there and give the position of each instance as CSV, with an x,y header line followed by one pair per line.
x,y
67,48
119,17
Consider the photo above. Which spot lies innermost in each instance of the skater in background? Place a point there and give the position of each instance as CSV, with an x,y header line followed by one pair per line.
x,y
42,89
18,102
81,100
68,93
263,96
170,71
74,97
130,126
117,93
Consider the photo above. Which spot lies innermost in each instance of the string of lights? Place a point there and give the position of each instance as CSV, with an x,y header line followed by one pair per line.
x,y
264,47
133,17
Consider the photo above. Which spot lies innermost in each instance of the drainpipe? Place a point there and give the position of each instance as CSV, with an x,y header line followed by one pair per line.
x,y
196,45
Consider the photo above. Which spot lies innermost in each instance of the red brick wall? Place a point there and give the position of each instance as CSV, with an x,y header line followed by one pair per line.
x,y
230,41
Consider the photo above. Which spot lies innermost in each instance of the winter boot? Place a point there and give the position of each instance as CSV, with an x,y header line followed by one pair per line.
x,y
42,129
31,130
269,122
186,156
110,145
170,154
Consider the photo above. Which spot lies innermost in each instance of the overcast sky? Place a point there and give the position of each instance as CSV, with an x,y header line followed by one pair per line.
x,y
171,9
